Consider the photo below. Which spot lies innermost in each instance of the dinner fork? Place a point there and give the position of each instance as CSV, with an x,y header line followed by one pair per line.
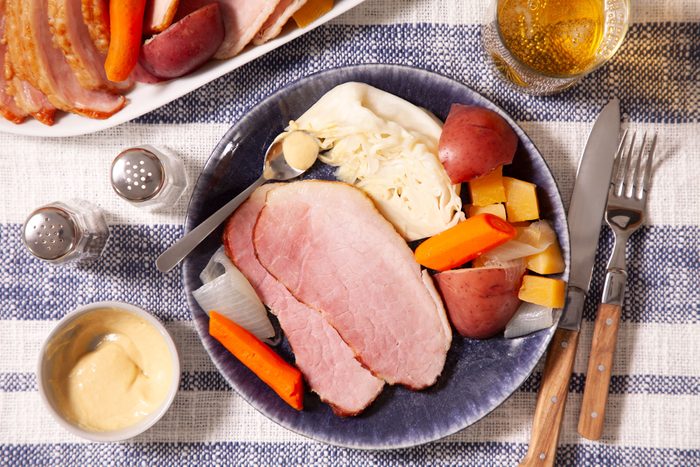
x,y
627,198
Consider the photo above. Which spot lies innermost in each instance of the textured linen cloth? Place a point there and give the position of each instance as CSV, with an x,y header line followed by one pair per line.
x,y
654,405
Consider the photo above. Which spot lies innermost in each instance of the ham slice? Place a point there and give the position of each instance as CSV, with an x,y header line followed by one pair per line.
x,y
96,19
331,248
242,20
8,107
72,36
326,361
30,99
274,24
481,301
38,62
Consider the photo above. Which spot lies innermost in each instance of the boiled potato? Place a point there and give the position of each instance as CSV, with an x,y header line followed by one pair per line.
x,y
185,45
474,141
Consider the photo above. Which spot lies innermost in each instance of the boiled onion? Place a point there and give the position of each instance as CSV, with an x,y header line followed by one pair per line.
x,y
529,241
528,319
227,291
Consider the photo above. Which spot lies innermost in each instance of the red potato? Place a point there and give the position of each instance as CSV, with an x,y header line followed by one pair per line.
x,y
481,301
185,45
474,141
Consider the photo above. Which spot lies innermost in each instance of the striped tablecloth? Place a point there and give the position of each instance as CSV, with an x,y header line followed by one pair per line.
x,y
654,405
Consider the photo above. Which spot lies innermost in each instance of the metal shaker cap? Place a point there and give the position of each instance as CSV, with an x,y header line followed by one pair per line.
x,y
50,233
137,174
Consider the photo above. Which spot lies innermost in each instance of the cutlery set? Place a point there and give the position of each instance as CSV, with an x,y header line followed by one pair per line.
x,y
621,198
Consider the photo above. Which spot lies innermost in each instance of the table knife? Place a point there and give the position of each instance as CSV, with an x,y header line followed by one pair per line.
x,y
585,218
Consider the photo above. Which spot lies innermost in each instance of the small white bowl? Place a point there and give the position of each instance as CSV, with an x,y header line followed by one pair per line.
x,y
117,435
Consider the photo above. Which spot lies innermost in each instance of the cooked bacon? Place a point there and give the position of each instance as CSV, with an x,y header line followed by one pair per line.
x,y
31,100
72,36
96,18
242,20
274,24
37,61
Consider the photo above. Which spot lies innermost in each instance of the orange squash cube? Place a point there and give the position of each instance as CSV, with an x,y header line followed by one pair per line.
x,y
495,209
543,291
488,189
521,200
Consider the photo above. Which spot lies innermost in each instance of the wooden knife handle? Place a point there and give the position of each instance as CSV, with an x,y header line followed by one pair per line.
x,y
595,395
551,399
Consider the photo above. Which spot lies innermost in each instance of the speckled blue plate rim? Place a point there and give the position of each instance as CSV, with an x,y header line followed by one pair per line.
x,y
239,379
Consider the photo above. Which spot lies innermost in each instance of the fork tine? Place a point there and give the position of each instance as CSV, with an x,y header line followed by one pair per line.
x,y
623,167
618,160
636,176
647,169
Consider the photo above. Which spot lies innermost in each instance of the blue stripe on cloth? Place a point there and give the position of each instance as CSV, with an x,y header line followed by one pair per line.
x,y
662,283
316,454
619,384
656,73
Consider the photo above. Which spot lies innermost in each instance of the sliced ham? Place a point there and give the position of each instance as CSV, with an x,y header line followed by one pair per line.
x,y
38,62
31,100
72,36
8,107
331,248
96,18
326,361
242,20
481,301
274,24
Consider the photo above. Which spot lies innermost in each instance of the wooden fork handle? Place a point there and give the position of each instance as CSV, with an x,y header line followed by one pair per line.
x,y
551,399
595,394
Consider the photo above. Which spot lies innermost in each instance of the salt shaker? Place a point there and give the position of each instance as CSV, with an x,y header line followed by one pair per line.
x,y
64,233
149,176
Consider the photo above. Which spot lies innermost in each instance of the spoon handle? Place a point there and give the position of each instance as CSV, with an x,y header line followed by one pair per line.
x,y
183,247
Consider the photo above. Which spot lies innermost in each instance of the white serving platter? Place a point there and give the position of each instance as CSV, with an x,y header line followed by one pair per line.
x,y
147,97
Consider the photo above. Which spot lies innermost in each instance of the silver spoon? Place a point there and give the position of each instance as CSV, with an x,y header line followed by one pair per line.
x,y
274,168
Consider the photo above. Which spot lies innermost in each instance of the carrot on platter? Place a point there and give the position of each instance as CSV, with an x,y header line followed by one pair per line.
x,y
125,27
283,378
464,242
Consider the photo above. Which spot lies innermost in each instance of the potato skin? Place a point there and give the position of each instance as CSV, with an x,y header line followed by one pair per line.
x,y
480,301
185,45
474,141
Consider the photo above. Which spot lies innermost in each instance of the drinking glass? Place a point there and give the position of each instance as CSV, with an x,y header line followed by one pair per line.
x,y
545,46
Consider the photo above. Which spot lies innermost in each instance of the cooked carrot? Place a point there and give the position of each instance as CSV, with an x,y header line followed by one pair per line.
x,y
311,11
282,377
464,242
125,24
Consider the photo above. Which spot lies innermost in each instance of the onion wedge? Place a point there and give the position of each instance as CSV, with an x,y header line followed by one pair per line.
x,y
528,319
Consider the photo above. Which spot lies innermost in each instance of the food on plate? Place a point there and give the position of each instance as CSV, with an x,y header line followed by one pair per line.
x,y
549,261
311,11
227,291
282,377
185,45
488,189
545,291
386,147
159,14
276,21
521,200
109,369
496,209
528,319
326,361
81,56
474,141
332,249
125,27
300,150
34,59
481,301
464,242
530,240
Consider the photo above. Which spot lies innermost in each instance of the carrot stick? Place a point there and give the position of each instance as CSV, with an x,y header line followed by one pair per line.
x,y
464,242
125,24
282,377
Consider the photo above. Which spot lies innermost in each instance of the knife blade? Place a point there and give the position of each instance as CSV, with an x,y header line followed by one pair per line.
x,y
585,217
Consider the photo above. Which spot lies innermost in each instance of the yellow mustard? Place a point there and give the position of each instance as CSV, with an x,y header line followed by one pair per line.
x,y
108,370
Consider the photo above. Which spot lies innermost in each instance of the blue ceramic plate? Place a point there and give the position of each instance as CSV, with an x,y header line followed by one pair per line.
x,y
478,375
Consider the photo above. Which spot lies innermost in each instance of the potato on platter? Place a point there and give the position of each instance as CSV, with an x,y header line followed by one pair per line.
x,y
481,301
474,141
185,45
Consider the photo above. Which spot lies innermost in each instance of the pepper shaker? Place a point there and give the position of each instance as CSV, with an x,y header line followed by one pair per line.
x,y
64,233
149,176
